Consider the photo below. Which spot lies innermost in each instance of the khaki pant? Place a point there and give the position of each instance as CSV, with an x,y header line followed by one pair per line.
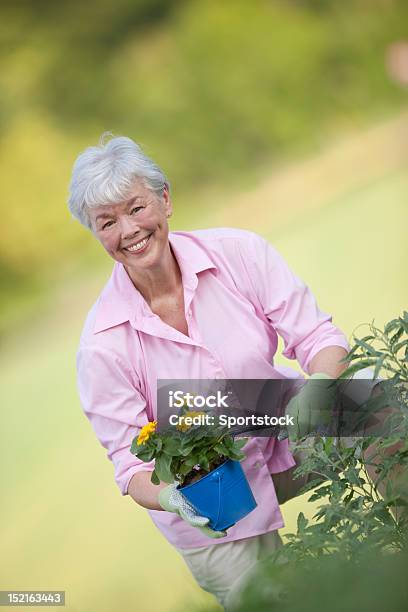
x,y
224,569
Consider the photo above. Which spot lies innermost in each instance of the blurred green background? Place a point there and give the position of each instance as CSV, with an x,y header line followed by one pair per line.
x,y
287,118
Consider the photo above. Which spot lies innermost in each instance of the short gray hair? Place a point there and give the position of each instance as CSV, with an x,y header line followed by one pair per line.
x,y
105,174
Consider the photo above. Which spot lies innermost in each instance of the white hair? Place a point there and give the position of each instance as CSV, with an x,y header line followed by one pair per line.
x,y
105,174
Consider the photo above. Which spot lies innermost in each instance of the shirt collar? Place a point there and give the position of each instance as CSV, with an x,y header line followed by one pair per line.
x,y
120,301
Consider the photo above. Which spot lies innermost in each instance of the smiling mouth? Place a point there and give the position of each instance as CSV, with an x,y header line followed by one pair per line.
x,y
136,247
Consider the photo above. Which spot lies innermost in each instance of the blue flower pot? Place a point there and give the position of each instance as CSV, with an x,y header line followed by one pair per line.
x,y
223,495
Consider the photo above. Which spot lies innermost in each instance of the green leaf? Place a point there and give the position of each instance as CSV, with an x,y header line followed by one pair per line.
x,y
145,454
388,490
311,485
355,348
172,447
328,445
191,461
352,476
301,522
203,462
134,448
347,499
387,442
228,441
184,469
154,478
220,449
240,443
367,347
319,493
364,363
236,455
391,325
162,468
400,345
379,365
396,336
365,339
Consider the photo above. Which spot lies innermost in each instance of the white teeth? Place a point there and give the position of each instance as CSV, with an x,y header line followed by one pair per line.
x,y
138,245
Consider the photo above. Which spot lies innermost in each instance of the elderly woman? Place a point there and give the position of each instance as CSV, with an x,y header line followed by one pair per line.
x,y
188,305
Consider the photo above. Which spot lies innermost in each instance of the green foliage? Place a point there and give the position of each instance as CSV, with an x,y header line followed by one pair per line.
x,y
182,453
362,485
212,90
385,350
373,583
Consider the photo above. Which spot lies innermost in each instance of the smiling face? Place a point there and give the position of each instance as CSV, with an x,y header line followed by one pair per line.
x,y
135,232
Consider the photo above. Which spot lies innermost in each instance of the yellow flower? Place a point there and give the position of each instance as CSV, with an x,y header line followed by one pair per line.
x,y
184,426
146,432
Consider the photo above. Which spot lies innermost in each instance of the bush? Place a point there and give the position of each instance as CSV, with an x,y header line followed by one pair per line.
x,y
360,528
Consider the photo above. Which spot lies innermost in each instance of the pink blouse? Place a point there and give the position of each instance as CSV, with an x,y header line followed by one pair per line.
x,y
239,294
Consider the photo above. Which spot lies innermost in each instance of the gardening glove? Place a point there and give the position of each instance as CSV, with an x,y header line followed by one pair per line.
x,y
311,407
172,500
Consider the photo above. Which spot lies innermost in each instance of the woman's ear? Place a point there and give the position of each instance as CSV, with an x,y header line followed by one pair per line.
x,y
168,206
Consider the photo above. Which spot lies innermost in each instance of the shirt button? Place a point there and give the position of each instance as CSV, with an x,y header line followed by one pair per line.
x,y
258,465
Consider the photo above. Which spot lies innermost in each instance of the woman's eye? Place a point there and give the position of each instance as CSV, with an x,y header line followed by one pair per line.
x,y
107,224
135,209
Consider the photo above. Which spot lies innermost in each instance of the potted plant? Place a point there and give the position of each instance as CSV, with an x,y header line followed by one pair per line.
x,y
205,462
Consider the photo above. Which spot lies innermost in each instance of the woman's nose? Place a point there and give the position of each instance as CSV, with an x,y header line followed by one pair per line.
x,y
128,226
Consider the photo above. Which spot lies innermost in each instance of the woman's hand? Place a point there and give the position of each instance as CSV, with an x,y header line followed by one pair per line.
x,y
168,497
172,500
311,407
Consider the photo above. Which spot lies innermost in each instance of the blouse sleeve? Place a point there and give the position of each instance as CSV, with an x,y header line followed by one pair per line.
x,y
290,305
115,408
